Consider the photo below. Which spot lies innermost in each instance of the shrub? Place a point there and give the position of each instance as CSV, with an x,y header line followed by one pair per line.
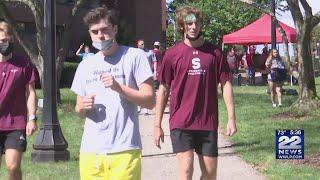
x,y
67,74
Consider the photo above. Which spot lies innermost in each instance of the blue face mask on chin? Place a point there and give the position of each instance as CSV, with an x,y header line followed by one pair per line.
x,y
103,45
6,48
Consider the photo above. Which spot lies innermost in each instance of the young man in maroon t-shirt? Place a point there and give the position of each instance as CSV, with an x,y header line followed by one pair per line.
x,y
17,99
190,73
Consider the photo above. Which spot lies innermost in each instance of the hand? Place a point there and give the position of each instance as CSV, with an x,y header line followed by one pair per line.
x,y
157,135
109,82
87,102
81,46
231,128
31,127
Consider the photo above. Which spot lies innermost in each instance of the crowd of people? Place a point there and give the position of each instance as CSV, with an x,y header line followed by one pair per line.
x,y
111,84
269,63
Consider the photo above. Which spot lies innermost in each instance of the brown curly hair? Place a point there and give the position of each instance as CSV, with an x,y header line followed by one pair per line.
x,y
182,12
6,28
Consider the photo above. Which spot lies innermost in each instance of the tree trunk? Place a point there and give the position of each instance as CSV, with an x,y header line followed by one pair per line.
x,y
285,47
62,52
304,23
308,99
307,81
40,69
59,66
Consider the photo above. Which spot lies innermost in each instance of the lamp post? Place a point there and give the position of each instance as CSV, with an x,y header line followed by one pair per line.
x,y
273,24
50,144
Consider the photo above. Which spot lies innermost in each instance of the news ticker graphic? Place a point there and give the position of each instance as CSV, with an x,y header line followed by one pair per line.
x,y
289,144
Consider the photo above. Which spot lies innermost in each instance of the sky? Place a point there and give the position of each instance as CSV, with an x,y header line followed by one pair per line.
x,y
286,17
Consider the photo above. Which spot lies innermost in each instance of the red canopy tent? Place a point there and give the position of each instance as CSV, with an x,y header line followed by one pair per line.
x,y
259,32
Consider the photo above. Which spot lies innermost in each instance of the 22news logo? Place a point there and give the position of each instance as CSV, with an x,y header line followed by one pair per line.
x,y
289,144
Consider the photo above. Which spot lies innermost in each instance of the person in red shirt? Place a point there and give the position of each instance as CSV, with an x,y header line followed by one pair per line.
x,y
232,61
17,100
248,63
157,63
263,68
190,72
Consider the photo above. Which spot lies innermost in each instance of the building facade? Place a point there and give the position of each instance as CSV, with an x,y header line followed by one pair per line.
x,y
138,19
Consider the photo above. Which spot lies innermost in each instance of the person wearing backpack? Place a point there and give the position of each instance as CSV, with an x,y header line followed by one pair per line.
x,y
277,74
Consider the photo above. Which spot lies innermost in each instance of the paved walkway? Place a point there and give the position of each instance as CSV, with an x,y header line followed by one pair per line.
x,y
162,165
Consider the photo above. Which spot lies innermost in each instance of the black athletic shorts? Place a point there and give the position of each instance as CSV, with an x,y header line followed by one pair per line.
x,y
15,139
203,142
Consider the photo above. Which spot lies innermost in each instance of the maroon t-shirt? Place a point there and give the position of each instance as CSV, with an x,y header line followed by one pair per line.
x,y
15,74
193,75
249,59
159,57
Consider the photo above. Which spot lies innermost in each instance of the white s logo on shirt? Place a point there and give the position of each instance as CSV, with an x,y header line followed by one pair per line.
x,y
196,63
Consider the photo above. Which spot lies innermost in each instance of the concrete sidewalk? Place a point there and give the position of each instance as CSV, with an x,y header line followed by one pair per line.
x,y
162,164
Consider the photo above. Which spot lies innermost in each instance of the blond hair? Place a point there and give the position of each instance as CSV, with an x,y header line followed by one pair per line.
x,y
6,28
185,11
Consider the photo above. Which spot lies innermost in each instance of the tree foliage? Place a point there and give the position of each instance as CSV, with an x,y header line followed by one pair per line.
x,y
220,16
316,35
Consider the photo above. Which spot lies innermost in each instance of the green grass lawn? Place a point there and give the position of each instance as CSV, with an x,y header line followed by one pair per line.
x,y
254,141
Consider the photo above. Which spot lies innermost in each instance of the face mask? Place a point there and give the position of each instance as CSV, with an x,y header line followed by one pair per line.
x,y
103,45
141,46
6,48
195,38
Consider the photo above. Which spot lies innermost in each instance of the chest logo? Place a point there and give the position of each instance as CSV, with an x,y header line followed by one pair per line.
x,y
196,63
14,70
196,68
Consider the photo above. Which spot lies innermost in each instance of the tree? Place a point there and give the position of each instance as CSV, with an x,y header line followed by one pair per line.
x,y
304,24
36,54
220,16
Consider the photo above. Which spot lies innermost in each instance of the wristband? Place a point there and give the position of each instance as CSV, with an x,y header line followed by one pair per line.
x,y
32,117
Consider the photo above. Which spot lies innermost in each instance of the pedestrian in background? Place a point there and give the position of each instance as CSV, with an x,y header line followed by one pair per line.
x,y
18,102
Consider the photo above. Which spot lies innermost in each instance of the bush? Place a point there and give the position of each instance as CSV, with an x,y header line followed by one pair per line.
x,y
67,75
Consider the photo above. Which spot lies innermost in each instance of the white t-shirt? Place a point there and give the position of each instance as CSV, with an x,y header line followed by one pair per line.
x,y
113,124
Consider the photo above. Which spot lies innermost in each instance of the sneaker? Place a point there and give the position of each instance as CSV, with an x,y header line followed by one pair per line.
x,y
274,105
280,105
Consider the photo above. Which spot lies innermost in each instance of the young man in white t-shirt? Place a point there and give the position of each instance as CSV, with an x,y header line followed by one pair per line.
x,y
109,86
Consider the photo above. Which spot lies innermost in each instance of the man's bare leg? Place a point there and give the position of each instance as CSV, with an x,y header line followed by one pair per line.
x,y
13,161
185,160
208,167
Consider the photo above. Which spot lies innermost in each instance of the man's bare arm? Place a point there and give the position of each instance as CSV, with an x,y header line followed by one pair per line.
x,y
228,99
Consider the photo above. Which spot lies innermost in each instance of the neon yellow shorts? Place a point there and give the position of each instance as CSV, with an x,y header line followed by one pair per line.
x,y
116,166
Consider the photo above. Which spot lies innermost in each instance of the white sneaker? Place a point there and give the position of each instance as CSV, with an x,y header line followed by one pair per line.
x,y
279,104
274,105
